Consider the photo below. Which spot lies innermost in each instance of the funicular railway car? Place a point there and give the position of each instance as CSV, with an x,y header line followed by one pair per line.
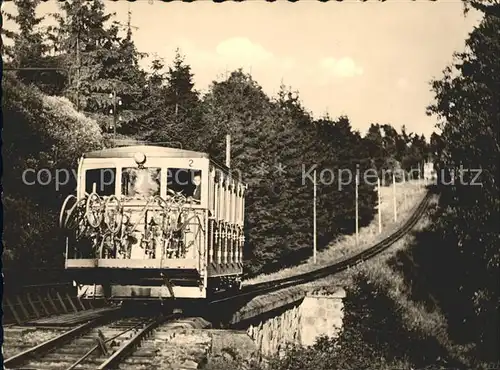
x,y
153,223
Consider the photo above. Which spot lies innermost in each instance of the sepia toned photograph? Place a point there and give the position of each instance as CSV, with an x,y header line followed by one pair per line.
x,y
253,185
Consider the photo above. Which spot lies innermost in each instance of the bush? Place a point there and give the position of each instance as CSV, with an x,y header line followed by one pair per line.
x,y
72,131
40,132
29,236
374,337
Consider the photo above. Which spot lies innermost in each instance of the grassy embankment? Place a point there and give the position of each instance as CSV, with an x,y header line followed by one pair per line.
x,y
408,196
385,327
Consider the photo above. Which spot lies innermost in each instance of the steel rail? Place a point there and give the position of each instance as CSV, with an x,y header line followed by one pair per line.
x,y
95,347
118,356
114,360
55,342
271,286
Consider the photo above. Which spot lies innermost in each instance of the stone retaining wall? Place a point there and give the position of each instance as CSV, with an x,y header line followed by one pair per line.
x,y
321,314
313,315
295,315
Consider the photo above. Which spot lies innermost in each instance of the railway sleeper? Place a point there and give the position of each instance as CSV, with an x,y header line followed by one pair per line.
x,y
134,360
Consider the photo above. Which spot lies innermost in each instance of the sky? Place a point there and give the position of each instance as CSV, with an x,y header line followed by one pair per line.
x,y
371,61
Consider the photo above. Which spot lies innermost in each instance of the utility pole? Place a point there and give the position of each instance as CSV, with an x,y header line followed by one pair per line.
x,y
422,174
314,218
115,101
228,150
394,196
176,103
78,69
78,61
357,210
404,189
129,20
379,207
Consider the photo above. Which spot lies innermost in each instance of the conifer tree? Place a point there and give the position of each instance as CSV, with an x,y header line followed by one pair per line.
x,y
152,103
133,79
179,119
79,39
376,148
238,106
29,49
467,100
272,142
102,64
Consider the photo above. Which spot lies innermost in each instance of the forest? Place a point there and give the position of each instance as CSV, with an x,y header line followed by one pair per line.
x,y
64,111
450,271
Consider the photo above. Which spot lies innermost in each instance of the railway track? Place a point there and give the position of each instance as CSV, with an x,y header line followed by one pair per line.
x,y
270,286
110,341
102,343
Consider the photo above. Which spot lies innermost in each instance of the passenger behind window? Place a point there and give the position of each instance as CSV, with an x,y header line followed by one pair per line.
x,y
141,182
186,182
196,192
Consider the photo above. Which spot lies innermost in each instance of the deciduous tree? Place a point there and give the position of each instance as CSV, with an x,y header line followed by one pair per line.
x,y
467,101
